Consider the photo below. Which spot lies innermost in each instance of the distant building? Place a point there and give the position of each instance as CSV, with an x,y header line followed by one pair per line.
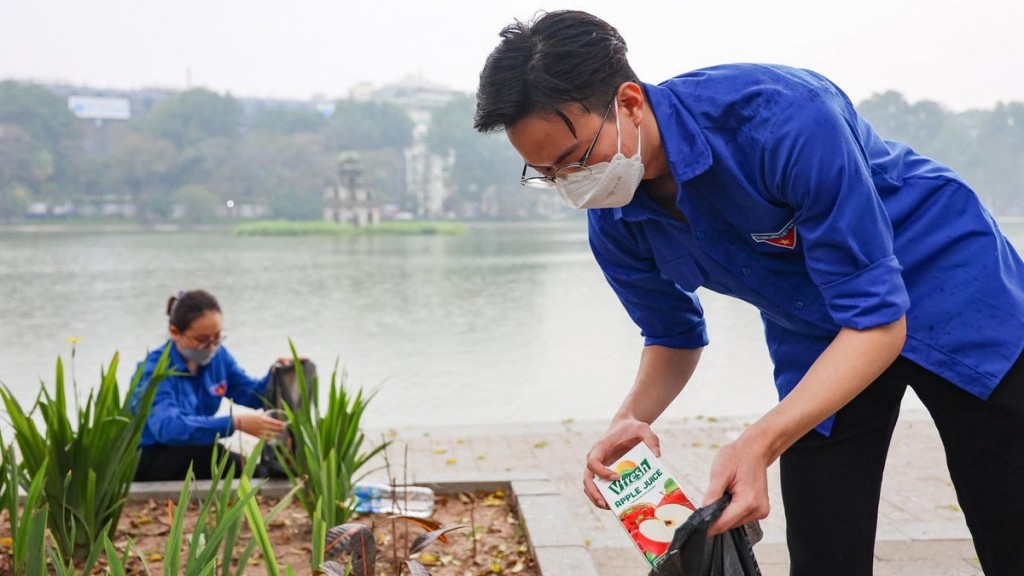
x,y
427,175
349,201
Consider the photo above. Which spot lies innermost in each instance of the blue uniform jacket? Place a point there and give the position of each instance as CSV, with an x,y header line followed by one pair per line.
x,y
795,205
184,406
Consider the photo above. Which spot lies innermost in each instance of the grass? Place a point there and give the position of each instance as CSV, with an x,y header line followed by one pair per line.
x,y
323,228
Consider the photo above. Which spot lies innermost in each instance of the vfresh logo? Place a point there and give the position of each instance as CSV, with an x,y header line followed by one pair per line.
x,y
629,477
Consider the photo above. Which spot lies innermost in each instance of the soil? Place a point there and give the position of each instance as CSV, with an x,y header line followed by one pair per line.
x,y
499,546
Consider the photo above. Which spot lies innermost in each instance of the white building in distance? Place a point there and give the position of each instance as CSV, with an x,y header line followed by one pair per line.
x,y
427,176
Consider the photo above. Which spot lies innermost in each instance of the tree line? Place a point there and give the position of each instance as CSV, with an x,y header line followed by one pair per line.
x,y
192,153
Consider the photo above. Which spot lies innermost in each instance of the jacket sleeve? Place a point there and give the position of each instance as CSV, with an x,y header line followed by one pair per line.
x,y
814,162
242,388
666,314
173,419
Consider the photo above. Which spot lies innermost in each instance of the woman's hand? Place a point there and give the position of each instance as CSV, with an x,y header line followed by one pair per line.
x,y
620,437
259,424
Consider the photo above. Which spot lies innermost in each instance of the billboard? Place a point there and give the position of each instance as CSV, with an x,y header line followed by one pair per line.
x,y
100,107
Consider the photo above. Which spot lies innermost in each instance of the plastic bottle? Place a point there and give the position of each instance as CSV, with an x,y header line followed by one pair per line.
x,y
374,498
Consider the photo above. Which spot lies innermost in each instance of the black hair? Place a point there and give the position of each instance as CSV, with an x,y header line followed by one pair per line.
x,y
184,308
560,57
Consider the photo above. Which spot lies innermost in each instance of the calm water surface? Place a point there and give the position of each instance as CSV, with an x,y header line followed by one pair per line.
x,y
507,323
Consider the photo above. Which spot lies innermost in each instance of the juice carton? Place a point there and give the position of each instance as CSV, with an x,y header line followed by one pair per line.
x,y
647,500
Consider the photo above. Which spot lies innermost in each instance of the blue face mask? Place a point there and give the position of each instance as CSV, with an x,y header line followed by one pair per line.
x,y
201,357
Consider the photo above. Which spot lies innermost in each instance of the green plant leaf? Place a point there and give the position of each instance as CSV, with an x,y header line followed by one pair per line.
x,y
319,536
258,527
115,563
330,451
176,536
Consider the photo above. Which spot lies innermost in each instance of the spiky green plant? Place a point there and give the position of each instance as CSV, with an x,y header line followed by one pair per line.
x,y
89,464
27,525
329,451
4,463
211,548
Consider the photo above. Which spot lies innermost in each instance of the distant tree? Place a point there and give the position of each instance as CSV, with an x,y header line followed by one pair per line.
x,y
25,168
198,204
384,175
986,147
368,126
14,201
484,164
923,125
288,173
188,118
45,118
37,111
289,121
997,167
141,166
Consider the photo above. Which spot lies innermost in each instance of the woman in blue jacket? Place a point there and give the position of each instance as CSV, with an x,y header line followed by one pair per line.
x,y
183,427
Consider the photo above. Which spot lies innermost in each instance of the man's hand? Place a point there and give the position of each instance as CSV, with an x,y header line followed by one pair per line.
x,y
853,360
619,438
741,469
259,424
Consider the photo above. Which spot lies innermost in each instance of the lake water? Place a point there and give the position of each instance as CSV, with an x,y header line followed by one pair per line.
x,y
507,323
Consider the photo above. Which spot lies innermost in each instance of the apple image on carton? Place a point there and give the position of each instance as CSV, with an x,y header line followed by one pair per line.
x,y
655,534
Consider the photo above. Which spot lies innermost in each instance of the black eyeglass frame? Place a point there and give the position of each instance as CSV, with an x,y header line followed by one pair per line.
x,y
548,182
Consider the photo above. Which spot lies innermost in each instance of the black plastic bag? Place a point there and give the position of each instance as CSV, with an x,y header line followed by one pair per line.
x,y
283,384
283,389
693,553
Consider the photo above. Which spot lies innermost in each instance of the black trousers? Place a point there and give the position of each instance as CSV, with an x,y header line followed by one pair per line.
x,y
831,486
160,462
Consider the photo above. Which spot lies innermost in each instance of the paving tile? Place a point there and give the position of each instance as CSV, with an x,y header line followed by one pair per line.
x,y
565,561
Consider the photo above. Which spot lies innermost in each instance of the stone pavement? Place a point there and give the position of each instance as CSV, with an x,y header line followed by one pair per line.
x,y
921,529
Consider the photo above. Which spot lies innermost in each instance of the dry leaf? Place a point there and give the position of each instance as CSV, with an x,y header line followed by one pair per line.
x,y
140,520
425,523
429,559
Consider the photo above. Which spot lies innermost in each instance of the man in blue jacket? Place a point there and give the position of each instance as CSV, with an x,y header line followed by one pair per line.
x,y
873,268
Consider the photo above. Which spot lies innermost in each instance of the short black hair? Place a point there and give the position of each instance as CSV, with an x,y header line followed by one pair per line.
x,y
184,308
560,57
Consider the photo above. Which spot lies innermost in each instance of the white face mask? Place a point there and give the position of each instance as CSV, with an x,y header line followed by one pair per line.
x,y
607,184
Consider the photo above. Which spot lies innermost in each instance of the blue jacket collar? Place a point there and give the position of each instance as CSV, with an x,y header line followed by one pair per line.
x,y
685,147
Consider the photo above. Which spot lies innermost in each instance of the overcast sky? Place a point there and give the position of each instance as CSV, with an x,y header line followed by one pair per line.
x,y
961,53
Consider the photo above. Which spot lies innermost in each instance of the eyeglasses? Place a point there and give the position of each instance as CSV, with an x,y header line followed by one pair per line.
x,y
572,169
207,344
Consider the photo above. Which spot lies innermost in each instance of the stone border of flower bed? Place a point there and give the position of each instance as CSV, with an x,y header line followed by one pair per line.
x,y
557,547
